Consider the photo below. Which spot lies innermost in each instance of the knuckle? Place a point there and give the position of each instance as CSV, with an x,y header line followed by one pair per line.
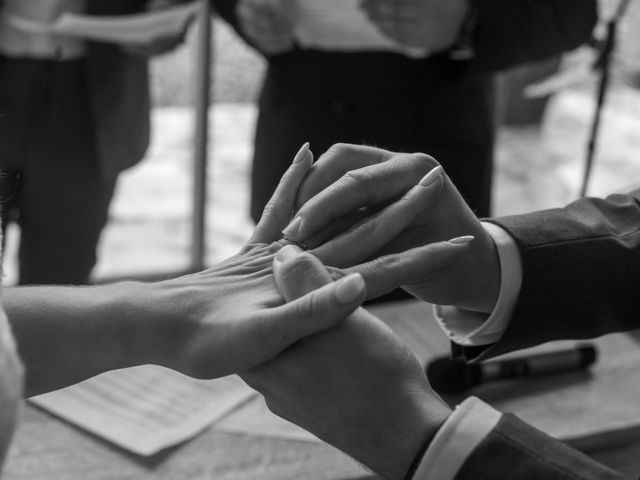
x,y
387,263
338,152
427,161
276,211
311,308
301,266
339,149
305,261
356,178
269,210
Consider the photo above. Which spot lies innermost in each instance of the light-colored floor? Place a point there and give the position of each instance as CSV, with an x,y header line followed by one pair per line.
x,y
149,230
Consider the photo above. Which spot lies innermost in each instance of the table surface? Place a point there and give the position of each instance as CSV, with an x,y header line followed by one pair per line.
x,y
47,448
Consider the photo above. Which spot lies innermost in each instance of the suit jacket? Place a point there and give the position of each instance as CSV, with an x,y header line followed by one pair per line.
x,y
581,271
119,95
514,450
434,105
119,91
581,279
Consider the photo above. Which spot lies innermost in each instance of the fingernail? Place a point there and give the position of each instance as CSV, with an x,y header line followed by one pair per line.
x,y
303,154
349,288
431,177
291,230
462,240
287,253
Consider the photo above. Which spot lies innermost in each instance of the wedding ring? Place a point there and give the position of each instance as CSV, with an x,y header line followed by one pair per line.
x,y
295,242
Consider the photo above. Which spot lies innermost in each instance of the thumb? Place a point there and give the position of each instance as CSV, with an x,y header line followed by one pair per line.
x,y
318,310
297,273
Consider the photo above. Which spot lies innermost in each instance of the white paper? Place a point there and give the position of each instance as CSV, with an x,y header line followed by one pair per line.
x,y
138,28
146,409
340,25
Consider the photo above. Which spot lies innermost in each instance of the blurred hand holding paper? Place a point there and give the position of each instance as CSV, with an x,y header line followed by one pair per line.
x,y
340,25
139,28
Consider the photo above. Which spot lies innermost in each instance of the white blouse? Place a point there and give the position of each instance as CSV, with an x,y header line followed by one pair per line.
x,y
25,29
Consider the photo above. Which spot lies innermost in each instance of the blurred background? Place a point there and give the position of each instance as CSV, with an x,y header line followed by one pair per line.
x,y
540,150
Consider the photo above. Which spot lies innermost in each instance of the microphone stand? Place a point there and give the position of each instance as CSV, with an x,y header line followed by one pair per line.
x,y
603,64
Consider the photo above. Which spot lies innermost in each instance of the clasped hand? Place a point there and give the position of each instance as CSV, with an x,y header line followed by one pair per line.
x,y
402,216
357,385
231,317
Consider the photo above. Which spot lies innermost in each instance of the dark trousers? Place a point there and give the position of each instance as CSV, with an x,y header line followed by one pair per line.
x,y
378,99
51,184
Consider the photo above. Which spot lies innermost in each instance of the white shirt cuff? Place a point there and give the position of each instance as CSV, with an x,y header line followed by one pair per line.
x,y
469,328
463,431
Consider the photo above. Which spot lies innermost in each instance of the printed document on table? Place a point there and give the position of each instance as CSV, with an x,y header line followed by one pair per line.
x,y
148,408
340,25
137,28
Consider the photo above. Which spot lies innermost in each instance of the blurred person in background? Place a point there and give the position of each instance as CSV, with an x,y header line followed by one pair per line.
x,y
74,115
442,104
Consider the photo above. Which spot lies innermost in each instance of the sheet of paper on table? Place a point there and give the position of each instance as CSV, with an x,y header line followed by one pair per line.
x,y
148,408
340,25
138,28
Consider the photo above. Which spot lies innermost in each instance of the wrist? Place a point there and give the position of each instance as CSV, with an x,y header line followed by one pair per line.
x,y
404,441
148,322
171,316
125,309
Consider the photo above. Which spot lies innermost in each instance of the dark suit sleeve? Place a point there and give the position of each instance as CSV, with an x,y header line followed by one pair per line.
x,y
581,272
515,450
509,32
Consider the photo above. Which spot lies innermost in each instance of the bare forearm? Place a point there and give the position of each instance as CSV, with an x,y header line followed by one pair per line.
x,y
68,334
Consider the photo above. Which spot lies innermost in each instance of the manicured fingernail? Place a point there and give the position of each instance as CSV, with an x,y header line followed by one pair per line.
x,y
303,154
287,253
431,177
349,288
291,230
462,240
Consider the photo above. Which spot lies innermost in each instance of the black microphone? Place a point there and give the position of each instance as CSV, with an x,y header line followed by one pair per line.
x,y
447,375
